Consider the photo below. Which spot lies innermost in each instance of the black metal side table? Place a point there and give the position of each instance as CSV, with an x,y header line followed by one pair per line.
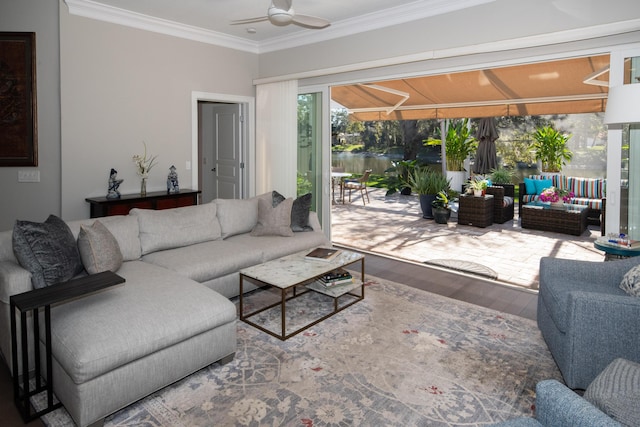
x,y
33,301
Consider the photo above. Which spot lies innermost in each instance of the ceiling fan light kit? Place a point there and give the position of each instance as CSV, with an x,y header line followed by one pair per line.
x,y
280,17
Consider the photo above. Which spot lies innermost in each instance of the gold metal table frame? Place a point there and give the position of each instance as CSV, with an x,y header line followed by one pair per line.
x,y
289,291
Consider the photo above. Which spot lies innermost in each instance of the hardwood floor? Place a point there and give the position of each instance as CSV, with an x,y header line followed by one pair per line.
x,y
471,289
508,299
9,416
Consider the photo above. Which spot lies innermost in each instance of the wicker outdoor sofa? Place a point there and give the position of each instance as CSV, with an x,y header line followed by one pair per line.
x,y
587,191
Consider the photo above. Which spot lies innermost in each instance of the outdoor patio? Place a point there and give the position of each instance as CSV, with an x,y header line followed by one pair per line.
x,y
393,226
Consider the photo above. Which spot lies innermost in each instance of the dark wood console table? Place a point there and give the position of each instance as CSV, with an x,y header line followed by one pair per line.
x,y
101,206
33,301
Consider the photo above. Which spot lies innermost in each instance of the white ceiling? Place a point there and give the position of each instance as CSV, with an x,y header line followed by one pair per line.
x,y
210,20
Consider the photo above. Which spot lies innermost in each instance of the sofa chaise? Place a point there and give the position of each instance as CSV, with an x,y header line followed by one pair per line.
x,y
173,315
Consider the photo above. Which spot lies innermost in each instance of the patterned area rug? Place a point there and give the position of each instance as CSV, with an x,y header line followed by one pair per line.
x,y
401,356
464,266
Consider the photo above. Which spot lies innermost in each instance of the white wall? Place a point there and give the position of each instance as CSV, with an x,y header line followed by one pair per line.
x,y
35,201
121,86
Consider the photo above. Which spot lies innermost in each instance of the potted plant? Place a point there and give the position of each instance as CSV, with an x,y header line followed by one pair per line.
x,y
397,178
555,196
427,183
478,185
501,176
440,207
459,144
550,147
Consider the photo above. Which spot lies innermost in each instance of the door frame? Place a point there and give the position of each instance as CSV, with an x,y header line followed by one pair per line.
x,y
247,137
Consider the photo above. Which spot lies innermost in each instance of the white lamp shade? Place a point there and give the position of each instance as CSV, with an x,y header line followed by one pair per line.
x,y
623,105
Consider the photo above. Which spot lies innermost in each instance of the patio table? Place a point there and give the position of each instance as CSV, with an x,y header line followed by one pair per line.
x,y
475,211
339,177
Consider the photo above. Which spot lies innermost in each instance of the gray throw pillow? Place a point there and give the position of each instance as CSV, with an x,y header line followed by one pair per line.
x,y
47,250
615,391
631,282
299,211
99,249
273,221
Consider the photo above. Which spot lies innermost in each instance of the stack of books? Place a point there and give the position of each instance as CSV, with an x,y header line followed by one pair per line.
x,y
322,254
336,277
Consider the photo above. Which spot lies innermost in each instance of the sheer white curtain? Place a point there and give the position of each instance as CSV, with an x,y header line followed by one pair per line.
x,y
276,137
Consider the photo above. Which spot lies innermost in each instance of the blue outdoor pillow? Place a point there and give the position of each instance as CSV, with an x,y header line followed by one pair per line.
x,y
529,186
541,184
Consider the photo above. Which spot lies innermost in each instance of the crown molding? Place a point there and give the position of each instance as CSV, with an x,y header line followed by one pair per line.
x,y
115,15
372,21
393,16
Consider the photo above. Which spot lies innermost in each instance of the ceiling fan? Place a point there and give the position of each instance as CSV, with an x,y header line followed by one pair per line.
x,y
281,13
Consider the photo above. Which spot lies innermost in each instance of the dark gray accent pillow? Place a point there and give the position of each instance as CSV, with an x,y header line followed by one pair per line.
x,y
99,249
616,390
47,250
299,211
276,198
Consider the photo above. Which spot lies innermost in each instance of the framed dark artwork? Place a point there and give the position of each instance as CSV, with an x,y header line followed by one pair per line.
x,y
18,118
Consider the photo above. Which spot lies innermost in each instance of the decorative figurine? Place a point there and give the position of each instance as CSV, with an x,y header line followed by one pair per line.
x,y
172,181
114,183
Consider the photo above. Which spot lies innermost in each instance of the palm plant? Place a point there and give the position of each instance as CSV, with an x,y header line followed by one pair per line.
x,y
550,146
459,143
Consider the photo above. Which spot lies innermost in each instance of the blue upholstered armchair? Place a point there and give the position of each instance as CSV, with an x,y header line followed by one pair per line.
x,y
557,405
610,400
585,318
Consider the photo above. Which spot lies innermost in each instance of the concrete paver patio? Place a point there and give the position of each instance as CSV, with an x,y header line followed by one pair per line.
x,y
394,226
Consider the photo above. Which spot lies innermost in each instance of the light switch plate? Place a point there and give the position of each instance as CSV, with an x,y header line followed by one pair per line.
x,y
28,176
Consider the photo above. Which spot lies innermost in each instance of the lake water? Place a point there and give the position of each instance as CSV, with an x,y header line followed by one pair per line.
x,y
359,162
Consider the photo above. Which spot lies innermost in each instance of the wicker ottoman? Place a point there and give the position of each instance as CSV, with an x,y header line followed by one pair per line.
x,y
570,220
476,211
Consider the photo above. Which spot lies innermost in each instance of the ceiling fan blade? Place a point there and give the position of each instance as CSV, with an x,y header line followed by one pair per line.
x,y
310,21
282,4
249,20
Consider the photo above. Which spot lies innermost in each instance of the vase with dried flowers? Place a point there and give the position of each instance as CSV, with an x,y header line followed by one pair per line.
x,y
144,164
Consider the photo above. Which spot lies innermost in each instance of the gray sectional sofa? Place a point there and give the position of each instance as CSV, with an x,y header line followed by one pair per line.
x,y
170,318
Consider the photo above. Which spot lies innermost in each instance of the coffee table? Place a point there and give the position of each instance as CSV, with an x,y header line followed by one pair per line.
x,y
290,279
568,219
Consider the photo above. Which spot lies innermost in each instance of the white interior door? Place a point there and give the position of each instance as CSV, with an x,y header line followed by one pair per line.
x,y
221,159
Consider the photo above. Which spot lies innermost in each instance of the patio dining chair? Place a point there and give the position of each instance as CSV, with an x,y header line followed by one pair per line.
x,y
359,184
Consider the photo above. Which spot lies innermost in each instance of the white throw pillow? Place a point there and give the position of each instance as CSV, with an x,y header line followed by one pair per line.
x,y
177,227
273,221
99,249
238,216
631,282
